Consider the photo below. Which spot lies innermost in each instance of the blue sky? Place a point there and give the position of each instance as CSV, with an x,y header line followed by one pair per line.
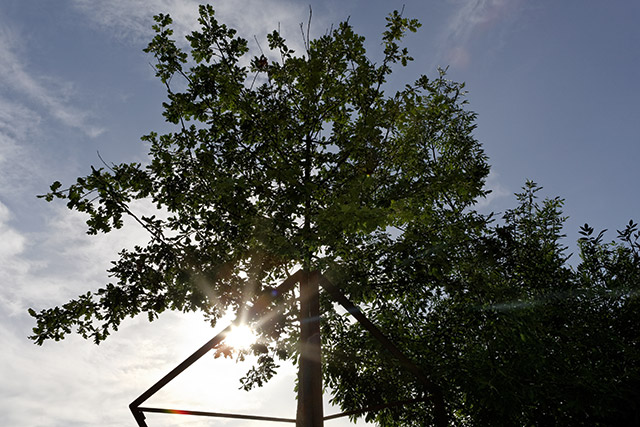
x,y
554,84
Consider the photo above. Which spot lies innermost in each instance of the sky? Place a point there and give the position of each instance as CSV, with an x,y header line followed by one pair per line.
x,y
554,83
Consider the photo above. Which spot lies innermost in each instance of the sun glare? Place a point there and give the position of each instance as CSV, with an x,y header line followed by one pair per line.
x,y
240,337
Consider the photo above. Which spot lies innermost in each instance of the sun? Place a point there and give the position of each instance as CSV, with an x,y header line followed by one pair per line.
x,y
240,337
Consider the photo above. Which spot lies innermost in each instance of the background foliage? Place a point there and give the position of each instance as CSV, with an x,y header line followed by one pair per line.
x,y
516,335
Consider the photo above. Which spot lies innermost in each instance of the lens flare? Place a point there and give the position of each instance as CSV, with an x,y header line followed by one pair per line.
x,y
240,337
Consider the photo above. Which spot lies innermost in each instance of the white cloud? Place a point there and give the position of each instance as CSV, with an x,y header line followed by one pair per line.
x,y
17,124
43,91
471,14
496,197
13,266
470,19
132,20
64,261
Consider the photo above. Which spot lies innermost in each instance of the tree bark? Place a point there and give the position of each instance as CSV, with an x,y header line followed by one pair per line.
x,y
310,411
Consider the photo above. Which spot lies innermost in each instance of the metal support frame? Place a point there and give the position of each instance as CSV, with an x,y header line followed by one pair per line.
x,y
311,343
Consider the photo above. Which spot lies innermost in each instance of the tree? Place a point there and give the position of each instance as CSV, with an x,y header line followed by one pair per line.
x,y
277,163
496,313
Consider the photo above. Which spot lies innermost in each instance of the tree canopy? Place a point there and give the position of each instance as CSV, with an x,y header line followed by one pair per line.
x,y
282,161
298,160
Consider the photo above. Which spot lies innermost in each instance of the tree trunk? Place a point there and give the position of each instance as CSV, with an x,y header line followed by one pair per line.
x,y
310,412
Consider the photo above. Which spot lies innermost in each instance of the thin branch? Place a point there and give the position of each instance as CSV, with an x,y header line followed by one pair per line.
x,y
104,163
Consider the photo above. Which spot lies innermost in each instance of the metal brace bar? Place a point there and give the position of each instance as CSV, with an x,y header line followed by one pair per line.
x,y
258,307
217,415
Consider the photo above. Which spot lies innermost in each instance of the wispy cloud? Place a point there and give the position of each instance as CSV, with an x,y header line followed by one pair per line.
x,y
471,19
128,20
497,196
12,246
40,92
17,125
